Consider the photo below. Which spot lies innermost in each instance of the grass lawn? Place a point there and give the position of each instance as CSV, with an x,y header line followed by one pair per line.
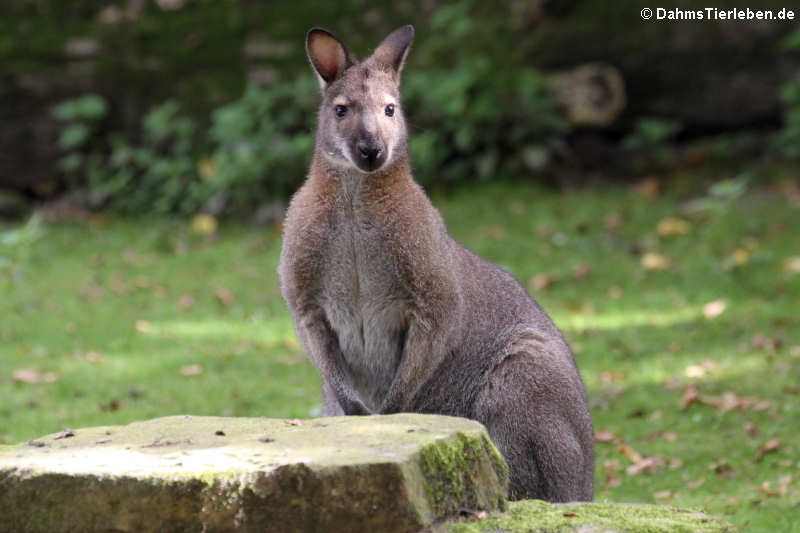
x,y
687,331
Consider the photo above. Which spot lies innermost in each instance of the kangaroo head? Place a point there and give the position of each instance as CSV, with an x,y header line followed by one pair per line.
x,y
361,123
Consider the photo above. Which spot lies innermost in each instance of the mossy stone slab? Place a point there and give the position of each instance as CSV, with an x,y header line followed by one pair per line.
x,y
185,473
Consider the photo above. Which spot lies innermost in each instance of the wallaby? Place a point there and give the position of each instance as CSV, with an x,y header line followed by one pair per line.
x,y
399,317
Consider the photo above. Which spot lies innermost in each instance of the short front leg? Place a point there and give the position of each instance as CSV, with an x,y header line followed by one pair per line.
x,y
424,351
323,349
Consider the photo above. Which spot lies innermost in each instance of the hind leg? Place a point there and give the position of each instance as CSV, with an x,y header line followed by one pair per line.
x,y
534,407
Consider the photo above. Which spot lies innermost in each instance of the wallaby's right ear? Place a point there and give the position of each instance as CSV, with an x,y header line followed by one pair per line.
x,y
328,55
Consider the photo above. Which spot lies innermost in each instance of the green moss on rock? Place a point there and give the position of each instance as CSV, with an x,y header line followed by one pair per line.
x,y
527,516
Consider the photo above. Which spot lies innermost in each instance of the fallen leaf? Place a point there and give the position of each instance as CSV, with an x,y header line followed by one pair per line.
x,y
495,232
570,515
26,375
613,480
191,370
769,447
648,187
143,326
294,422
94,357
690,396
631,454
604,436
675,463
751,429
714,308
706,367
613,221
761,342
224,296
670,227
541,281
663,495
204,224
581,271
697,483
654,261
186,301
791,265
721,468
646,465
611,465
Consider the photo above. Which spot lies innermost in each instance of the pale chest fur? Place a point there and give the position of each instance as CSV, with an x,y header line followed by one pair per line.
x,y
363,298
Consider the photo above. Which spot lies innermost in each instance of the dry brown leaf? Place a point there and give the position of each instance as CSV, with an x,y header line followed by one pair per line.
x,y
604,436
646,465
612,480
294,422
649,187
674,463
94,357
613,221
631,454
791,265
670,227
690,396
186,301
714,308
663,495
751,429
191,370
611,465
224,296
541,281
143,326
654,261
495,232
581,271
721,468
706,367
26,375
697,483
769,447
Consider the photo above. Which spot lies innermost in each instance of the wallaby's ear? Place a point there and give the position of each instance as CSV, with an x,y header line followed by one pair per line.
x,y
393,50
328,55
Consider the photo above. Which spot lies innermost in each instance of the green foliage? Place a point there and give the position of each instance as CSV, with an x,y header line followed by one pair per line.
x,y
652,133
489,114
787,142
788,139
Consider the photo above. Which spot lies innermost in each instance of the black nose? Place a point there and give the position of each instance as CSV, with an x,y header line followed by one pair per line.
x,y
369,150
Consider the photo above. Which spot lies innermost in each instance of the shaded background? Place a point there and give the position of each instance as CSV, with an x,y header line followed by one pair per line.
x,y
188,106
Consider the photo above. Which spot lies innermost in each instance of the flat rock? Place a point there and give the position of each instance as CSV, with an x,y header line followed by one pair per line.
x,y
541,517
183,473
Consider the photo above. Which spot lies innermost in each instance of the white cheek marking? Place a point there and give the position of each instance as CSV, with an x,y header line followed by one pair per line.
x,y
340,100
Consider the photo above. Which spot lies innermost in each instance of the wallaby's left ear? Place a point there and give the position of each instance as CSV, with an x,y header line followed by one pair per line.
x,y
393,50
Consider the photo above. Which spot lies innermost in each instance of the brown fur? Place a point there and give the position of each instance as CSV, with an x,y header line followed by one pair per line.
x,y
396,315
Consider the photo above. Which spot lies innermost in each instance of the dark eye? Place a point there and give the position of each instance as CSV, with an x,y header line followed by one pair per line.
x,y
389,110
340,111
